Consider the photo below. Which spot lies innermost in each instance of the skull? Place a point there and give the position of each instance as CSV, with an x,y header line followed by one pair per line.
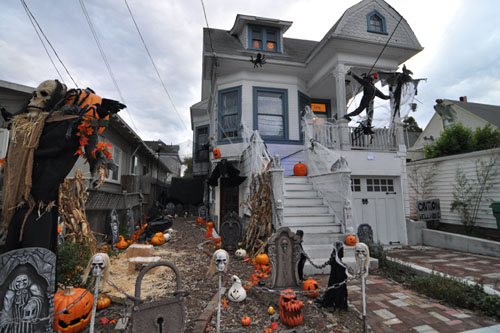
x,y
21,282
98,264
220,260
41,96
361,251
241,253
362,254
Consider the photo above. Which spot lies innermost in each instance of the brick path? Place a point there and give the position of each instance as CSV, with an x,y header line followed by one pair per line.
x,y
393,308
464,265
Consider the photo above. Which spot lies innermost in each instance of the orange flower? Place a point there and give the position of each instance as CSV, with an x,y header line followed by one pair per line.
x,y
224,304
2,161
103,146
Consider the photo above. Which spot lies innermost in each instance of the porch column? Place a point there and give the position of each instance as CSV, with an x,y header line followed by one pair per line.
x,y
340,93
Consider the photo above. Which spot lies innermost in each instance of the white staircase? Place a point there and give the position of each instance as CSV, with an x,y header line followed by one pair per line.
x,y
306,210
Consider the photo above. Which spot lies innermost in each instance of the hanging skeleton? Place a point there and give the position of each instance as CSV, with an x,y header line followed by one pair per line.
x,y
44,145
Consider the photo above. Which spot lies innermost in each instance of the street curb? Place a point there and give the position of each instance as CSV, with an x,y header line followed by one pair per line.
x,y
427,271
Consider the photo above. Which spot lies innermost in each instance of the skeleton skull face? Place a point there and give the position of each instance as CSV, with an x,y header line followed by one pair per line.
x,y
21,282
220,260
361,251
98,264
42,94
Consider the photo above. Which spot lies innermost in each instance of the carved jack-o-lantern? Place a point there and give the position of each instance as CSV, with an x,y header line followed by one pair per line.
x,y
78,316
216,153
310,285
290,308
351,240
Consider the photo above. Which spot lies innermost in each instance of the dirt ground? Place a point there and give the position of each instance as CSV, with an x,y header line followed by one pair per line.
x,y
192,260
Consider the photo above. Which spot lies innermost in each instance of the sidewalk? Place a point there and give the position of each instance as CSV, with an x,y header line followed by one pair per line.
x,y
393,308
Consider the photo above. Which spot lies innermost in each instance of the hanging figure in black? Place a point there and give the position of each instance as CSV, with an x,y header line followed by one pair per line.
x,y
369,93
303,257
336,297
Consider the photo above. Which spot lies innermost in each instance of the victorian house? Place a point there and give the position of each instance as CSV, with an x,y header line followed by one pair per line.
x,y
295,93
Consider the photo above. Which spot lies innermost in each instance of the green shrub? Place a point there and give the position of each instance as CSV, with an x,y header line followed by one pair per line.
x,y
486,138
455,139
72,258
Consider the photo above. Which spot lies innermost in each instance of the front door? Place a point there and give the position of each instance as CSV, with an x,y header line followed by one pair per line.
x,y
229,198
376,202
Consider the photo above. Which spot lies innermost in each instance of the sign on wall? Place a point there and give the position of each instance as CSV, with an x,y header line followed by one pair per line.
x,y
428,210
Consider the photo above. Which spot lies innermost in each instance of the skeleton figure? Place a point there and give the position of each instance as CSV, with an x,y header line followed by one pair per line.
x,y
336,297
219,263
114,228
45,97
99,264
362,254
22,306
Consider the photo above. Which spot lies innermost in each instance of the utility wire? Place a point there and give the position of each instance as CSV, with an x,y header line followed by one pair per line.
x,y
30,14
154,66
43,44
104,58
208,27
380,54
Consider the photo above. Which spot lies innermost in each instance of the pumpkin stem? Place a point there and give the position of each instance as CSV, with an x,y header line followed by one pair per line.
x,y
69,291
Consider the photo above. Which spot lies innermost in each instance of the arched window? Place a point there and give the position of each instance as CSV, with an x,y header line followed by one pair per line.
x,y
376,23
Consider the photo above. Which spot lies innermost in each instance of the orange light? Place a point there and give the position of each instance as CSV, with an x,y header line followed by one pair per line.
x,y
270,45
256,44
316,107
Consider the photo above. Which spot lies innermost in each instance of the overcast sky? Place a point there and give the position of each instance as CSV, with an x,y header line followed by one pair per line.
x,y
461,55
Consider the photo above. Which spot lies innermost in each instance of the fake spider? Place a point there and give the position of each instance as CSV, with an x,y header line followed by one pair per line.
x,y
259,61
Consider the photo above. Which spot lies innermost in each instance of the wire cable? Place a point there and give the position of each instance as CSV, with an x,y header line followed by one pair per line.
x,y
28,11
154,66
380,54
104,58
208,27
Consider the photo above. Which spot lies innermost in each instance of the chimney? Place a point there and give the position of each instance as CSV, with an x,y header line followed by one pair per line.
x,y
463,98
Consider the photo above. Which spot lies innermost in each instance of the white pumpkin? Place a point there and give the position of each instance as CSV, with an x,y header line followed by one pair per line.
x,y
236,293
167,236
240,253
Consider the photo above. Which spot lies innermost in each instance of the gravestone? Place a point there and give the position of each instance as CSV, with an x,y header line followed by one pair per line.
x,y
203,212
179,209
365,233
114,226
171,208
230,232
284,254
27,286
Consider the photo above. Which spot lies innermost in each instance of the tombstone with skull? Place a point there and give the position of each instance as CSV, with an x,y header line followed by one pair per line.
x,y
219,263
362,255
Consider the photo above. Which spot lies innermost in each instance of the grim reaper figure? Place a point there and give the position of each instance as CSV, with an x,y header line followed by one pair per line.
x,y
336,297
45,140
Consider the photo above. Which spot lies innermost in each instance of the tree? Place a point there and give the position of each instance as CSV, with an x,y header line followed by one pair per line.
x,y
486,138
187,163
455,139
411,125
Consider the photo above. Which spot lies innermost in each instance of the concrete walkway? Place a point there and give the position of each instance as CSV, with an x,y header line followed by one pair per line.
x,y
393,308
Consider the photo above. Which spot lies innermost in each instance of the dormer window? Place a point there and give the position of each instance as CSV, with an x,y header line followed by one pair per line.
x,y
376,23
263,38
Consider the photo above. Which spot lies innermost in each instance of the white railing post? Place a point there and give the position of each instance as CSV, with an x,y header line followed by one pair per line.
x,y
277,189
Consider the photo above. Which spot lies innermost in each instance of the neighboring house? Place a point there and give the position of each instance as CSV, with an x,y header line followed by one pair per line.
x,y
169,155
271,100
137,181
471,115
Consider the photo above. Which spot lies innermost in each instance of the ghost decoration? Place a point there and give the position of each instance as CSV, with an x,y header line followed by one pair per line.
x,y
240,253
219,262
362,255
236,293
99,264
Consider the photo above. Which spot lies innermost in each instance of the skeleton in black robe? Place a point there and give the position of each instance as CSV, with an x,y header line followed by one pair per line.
x,y
336,297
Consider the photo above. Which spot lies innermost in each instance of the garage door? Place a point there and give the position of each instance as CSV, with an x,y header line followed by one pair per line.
x,y
377,203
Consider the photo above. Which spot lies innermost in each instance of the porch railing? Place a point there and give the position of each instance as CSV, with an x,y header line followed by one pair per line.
x,y
381,139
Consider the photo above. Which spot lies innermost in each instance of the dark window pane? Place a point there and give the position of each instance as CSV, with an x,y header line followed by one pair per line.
x,y
390,188
271,36
383,181
377,188
389,182
369,188
376,181
369,181
383,188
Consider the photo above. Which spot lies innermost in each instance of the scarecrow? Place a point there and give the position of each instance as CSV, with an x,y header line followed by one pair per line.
x,y
369,93
336,297
46,138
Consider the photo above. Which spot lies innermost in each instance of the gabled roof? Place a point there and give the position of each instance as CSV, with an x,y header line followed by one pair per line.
x,y
295,50
490,113
242,20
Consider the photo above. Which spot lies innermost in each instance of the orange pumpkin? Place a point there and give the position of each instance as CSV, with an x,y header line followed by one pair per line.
x,y
158,239
262,259
290,308
199,219
103,302
351,240
122,244
310,285
300,169
245,321
271,310
216,153
76,318
210,224
268,330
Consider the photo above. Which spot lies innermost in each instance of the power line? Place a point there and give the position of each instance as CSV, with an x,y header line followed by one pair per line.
x,y
208,27
43,44
103,55
154,65
28,11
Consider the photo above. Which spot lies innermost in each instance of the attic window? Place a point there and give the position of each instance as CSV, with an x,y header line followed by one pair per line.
x,y
376,23
263,38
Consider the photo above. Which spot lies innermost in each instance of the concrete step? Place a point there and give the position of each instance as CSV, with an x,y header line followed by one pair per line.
x,y
296,180
322,234
306,219
299,186
301,194
304,201
310,209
